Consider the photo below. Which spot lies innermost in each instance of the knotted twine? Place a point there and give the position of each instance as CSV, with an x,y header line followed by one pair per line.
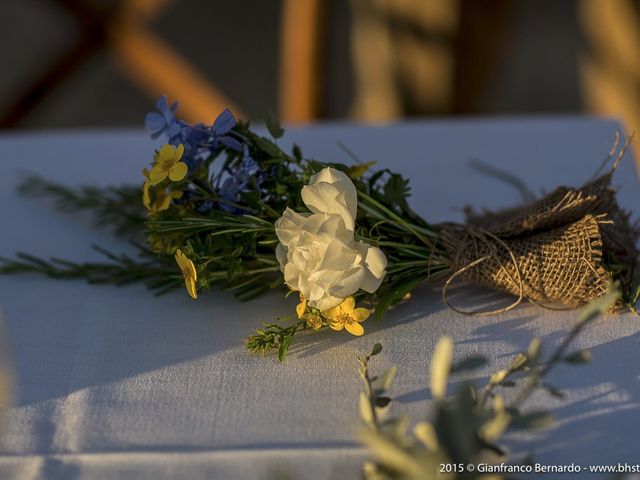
x,y
555,251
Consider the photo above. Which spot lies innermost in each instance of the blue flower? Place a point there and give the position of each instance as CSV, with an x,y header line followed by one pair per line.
x,y
194,138
249,166
221,131
229,192
199,140
163,122
238,181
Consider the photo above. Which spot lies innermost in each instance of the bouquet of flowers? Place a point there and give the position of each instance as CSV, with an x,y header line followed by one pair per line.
x,y
221,206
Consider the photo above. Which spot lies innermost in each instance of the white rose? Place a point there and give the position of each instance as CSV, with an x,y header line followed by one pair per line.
x,y
317,252
332,191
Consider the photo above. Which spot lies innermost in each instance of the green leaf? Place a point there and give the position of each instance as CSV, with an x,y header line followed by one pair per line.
x,y
268,147
425,432
377,348
385,381
296,152
358,170
273,125
391,455
533,352
284,347
496,426
397,189
518,362
598,306
375,177
498,377
579,357
365,408
440,367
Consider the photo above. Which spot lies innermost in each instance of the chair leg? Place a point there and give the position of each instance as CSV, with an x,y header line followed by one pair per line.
x,y
301,60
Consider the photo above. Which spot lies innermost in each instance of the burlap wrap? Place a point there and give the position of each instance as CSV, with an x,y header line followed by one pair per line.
x,y
553,252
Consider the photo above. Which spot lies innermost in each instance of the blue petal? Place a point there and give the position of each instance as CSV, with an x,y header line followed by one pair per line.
x,y
250,166
230,189
194,135
231,142
174,129
224,122
162,104
154,123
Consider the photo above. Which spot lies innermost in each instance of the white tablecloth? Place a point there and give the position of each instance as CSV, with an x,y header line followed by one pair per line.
x,y
114,383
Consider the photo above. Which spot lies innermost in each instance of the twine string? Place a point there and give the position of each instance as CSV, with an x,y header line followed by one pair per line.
x,y
475,236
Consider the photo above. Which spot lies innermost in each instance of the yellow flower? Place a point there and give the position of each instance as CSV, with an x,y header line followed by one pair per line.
x,y
314,320
168,164
188,272
162,198
302,306
313,317
347,316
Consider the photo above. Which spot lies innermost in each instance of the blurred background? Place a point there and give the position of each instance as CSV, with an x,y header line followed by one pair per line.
x,y
102,63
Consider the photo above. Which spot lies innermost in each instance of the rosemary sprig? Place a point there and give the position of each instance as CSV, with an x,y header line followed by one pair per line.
x,y
273,337
116,207
120,269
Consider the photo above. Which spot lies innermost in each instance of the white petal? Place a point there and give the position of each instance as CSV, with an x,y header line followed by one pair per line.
x,y
375,265
331,191
288,226
292,276
281,255
350,282
376,261
342,182
334,228
327,302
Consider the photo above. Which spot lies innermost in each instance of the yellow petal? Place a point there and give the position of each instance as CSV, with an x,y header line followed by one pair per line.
x,y
186,265
354,328
156,175
348,305
167,152
301,309
163,203
181,259
146,199
178,172
332,313
360,314
178,153
337,326
190,283
191,270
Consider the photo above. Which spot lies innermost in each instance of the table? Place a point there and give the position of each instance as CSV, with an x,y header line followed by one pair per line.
x,y
114,383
